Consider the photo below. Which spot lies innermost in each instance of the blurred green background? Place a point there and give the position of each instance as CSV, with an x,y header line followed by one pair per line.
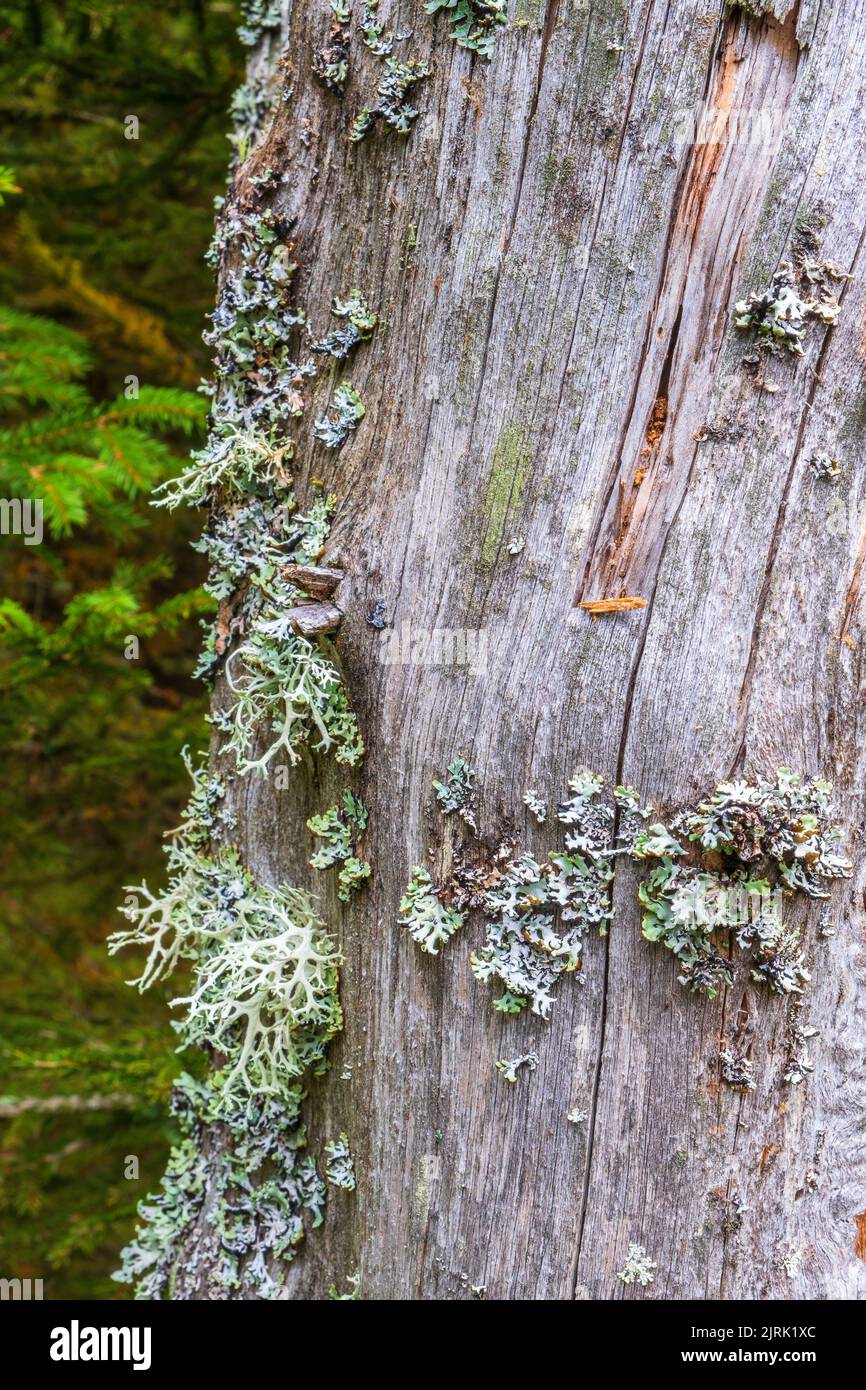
x,y
101,280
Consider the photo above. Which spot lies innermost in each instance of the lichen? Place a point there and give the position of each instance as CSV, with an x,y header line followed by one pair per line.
x,y
331,62
264,998
339,828
428,921
736,1069
457,794
258,17
509,1067
541,912
359,326
781,827
474,23
508,471
348,411
392,106
823,465
340,1165
639,1268
798,293
537,805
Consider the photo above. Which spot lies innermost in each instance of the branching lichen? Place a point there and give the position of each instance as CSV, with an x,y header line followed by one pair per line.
x,y
429,922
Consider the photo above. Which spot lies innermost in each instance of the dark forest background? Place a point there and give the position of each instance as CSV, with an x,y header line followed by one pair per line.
x,y
101,280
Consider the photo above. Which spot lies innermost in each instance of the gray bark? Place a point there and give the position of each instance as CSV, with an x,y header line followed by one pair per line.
x,y
557,360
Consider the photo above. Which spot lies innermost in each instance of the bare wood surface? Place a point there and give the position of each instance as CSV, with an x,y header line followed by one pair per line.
x,y
555,267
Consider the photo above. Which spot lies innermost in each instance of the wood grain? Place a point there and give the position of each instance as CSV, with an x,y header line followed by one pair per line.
x,y
555,260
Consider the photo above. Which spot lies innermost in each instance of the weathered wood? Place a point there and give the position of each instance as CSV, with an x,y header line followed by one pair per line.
x,y
555,261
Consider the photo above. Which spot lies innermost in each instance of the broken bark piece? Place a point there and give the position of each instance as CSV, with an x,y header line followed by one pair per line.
x,y
319,581
612,605
313,619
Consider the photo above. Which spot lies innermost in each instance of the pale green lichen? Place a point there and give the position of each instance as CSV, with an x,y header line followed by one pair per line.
x,y
780,827
392,104
264,997
639,1268
537,806
340,1165
354,1281
797,294
285,684
541,912
348,413
360,324
258,18
429,922
509,1067
457,794
339,828
331,62
474,23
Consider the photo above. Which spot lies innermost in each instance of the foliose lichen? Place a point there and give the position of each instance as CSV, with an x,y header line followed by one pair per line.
x,y
339,828
509,1067
540,912
331,62
258,18
348,411
474,23
340,1165
428,921
797,294
639,1268
359,326
392,105
782,828
458,794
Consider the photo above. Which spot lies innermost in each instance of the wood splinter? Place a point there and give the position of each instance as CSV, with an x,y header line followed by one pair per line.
x,y
612,605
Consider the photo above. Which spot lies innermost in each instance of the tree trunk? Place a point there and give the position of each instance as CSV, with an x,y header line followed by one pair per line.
x,y
555,254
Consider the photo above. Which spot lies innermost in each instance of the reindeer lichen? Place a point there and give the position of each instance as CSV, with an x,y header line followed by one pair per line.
x,y
639,1268
338,828
429,922
348,413
474,23
340,1165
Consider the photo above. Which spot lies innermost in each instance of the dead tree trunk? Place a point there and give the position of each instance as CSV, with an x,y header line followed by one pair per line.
x,y
555,251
